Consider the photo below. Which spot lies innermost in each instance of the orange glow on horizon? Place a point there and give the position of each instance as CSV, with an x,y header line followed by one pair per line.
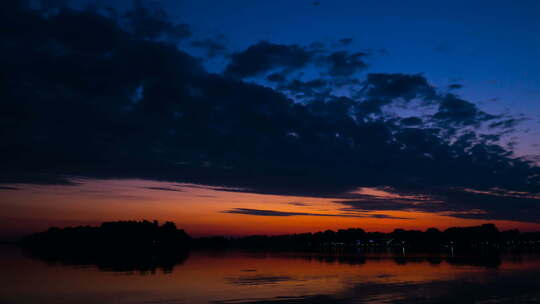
x,y
200,209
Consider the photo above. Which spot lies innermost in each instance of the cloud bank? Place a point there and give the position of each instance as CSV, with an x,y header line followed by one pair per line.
x,y
99,93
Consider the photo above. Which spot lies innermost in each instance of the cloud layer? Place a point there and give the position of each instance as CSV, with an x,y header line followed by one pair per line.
x,y
259,212
97,93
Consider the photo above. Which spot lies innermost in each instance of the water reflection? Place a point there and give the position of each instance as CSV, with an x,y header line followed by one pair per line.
x,y
254,277
142,262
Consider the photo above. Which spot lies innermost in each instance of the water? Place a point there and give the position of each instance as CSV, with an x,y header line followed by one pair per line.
x,y
244,277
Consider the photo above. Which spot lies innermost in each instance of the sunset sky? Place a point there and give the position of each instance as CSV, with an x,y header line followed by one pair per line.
x,y
269,117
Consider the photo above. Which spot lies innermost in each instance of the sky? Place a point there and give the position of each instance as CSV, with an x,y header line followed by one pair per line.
x,y
269,117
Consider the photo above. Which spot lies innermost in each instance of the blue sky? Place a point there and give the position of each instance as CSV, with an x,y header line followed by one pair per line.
x,y
490,48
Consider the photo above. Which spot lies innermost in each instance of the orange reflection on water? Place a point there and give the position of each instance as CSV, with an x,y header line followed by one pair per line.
x,y
206,277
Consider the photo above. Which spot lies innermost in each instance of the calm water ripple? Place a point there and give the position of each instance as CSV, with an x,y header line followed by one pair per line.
x,y
247,277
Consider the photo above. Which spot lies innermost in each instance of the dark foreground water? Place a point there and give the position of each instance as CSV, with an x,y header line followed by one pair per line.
x,y
243,277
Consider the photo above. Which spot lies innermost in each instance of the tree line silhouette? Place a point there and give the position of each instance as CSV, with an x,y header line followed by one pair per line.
x,y
145,236
469,238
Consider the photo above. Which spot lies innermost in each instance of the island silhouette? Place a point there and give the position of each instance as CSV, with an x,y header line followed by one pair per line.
x,y
142,246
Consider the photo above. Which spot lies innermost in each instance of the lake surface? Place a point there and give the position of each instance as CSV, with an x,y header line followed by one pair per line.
x,y
247,277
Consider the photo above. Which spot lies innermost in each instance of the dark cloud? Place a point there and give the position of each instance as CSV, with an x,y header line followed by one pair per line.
x,y
212,47
492,205
455,202
48,5
163,189
456,111
346,41
152,22
507,123
411,121
386,216
264,57
366,203
455,86
299,204
259,212
8,188
380,89
345,64
391,86
256,280
310,88
276,77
